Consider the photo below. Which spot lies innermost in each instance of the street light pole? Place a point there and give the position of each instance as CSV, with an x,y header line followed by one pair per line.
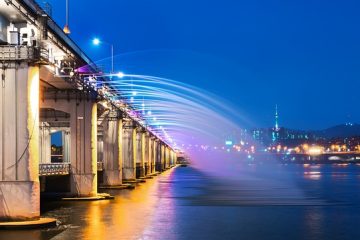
x,y
97,41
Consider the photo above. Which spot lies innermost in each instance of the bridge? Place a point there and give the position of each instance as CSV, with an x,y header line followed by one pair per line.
x,y
49,85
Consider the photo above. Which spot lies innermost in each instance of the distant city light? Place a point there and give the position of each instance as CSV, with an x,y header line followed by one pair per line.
x,y
315,150
228,143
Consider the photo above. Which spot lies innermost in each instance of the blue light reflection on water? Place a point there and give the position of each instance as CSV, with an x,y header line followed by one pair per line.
x,y
188,204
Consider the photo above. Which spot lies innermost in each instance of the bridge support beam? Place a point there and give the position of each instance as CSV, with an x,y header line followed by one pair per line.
x,y
154,153
129,151
167,157
19,143
160,157
112,152
45,143
173,158
140,155
148,153
163,157
83,141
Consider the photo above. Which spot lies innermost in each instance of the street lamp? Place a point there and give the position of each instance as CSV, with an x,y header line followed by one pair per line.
x,y
97,42
66,28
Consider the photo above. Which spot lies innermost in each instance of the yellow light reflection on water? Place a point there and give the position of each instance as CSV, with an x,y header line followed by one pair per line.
x,y
126,217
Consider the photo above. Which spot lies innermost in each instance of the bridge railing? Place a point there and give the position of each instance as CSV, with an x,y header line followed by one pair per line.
x,y
48,169
23,53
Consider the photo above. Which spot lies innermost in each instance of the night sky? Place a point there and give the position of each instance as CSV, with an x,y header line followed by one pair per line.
x,y
302,55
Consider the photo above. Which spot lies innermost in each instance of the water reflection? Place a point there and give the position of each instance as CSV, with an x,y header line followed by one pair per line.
x,y
312,175
187,204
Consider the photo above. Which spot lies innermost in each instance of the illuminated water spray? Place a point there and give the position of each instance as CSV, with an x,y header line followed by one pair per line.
x,y
199,123
190,119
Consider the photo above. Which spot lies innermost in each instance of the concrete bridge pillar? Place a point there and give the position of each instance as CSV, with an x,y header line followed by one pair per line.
x,y
45,143
163,157
83,141
153,154
140,155
100,147
167,157
129,151
160,157
148,153
173,159
112,155
66,140
83,125
19,143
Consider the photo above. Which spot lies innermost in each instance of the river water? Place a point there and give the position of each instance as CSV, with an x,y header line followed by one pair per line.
x,y
305,202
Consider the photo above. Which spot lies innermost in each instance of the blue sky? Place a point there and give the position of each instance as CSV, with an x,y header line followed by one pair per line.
x,y
302,55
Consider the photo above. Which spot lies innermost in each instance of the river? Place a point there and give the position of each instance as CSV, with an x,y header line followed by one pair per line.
x,y
305,202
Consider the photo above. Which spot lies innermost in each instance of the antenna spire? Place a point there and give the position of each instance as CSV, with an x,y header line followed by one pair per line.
x,y
276,118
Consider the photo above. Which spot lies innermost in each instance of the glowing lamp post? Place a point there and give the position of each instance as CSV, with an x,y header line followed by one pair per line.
x,y
97,42
66,28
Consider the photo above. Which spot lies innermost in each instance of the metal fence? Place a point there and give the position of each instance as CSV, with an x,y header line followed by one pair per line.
x,y
23,53
48,169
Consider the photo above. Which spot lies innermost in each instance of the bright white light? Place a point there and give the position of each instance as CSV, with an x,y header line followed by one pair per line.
x,y
120,75
315,150
149,112
154,118
96,41
131,99
134,93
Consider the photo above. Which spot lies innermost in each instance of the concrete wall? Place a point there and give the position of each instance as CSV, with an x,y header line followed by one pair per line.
x,y
19,144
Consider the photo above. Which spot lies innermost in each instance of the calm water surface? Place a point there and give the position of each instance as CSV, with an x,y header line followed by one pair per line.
x,y
293,202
